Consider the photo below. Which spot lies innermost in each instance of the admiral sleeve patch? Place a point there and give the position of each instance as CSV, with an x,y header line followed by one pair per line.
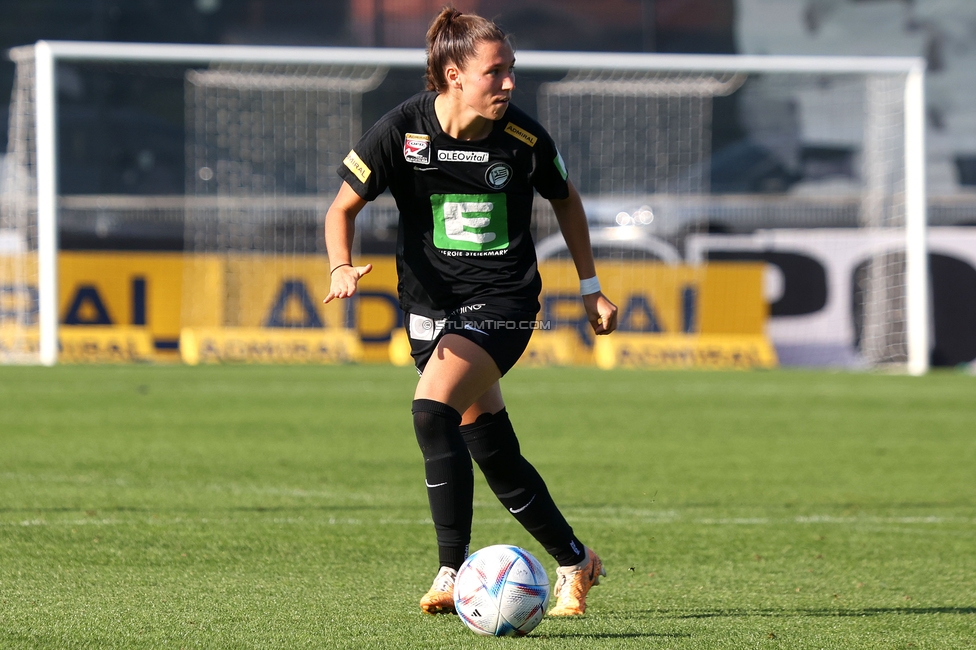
x,y
521,134
355,164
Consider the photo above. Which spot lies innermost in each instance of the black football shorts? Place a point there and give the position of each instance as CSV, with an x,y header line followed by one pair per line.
x,y
503,332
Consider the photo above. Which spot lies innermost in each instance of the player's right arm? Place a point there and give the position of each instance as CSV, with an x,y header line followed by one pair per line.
x,y
340,228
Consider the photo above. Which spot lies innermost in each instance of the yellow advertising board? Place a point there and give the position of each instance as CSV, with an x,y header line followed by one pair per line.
x,y
561,347
669,316
657,298
87,344
266,345
122,290
680,351
104,344
162,293
286,292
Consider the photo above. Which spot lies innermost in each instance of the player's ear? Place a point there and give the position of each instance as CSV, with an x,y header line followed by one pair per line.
x,y
453,76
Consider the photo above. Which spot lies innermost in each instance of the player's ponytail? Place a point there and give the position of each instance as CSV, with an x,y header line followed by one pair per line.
x,y
453,37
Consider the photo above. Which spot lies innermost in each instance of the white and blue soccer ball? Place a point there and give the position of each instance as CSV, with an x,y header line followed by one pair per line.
x,y
501,591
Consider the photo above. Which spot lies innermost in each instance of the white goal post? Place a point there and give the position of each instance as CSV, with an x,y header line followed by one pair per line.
x,y
908,74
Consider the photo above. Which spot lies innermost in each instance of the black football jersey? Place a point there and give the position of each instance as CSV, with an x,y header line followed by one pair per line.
x,y
465,206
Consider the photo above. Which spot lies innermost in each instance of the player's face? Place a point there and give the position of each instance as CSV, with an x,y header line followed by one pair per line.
x,y
488,79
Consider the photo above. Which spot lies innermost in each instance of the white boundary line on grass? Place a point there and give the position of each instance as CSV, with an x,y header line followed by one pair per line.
x,y
920,521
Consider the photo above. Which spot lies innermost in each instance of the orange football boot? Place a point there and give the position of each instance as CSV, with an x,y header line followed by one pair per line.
x,y
574,582
440,598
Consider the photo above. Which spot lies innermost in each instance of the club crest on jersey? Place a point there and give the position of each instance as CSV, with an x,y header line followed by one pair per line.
x,y
498,176
416,148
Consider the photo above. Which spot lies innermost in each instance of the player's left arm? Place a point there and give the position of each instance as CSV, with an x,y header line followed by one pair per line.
x,y
601,313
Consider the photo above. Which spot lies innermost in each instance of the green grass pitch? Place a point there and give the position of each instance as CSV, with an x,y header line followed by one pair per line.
x,y
284,507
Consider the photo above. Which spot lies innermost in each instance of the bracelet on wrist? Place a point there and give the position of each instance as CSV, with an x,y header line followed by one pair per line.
x,y
589,285
338,266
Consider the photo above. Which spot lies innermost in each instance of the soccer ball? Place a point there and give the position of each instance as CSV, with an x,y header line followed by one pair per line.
x,y
501,591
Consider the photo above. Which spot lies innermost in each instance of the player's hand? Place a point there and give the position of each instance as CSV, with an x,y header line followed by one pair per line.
x,y
601,313
345,281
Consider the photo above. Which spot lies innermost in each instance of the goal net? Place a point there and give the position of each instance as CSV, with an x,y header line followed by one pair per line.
x,y
19,299
775,196
811,181
263,145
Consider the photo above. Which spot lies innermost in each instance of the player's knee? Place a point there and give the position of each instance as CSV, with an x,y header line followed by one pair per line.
x,y
492,443
436,426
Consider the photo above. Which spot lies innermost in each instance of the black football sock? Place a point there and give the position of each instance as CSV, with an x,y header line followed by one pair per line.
x,y
449,477
494,446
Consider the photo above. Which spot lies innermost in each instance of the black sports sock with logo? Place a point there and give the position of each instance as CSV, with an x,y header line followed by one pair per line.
x,y
449,478
493,445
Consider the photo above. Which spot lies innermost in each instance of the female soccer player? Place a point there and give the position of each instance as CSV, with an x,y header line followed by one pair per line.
x,y
462,164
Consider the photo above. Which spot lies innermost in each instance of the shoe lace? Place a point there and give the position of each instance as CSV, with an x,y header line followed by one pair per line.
x,y
564,581
444,580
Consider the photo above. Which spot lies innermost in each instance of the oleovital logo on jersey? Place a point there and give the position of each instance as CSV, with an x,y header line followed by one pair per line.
x,y
447,155
498,176
416,148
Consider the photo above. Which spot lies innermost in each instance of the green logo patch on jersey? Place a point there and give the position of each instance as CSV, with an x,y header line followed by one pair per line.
x,y
561,166
470,222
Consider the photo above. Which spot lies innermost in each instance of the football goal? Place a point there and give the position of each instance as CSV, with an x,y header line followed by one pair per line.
x,y
810,168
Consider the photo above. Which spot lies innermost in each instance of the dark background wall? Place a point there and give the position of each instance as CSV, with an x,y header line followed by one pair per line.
x,y
704,26
122,133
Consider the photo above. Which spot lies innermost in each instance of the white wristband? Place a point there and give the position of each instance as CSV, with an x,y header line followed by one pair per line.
x,y
589,285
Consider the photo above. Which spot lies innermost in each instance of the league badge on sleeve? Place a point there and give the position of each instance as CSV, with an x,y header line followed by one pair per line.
x,y
416,148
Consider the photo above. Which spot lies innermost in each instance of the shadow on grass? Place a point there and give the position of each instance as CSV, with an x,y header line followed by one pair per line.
x,y
609,635
188,511
779,613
